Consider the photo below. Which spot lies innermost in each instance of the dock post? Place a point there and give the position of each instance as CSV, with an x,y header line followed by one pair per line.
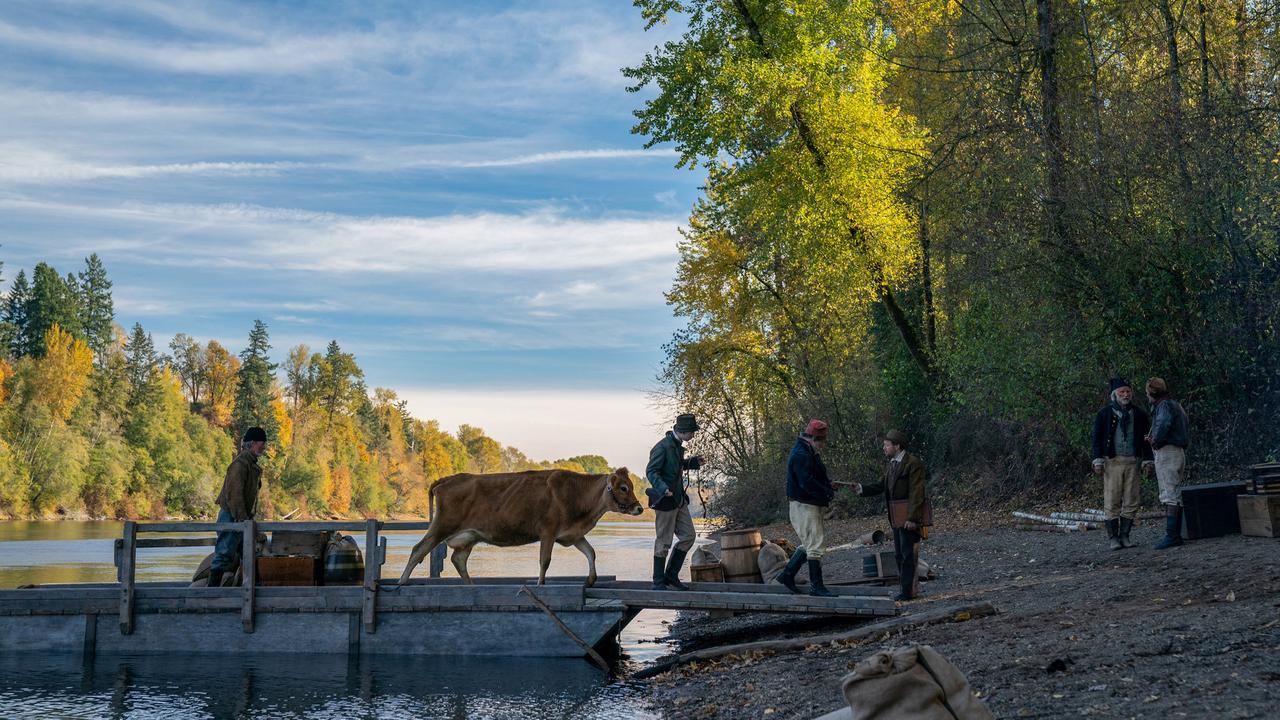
x,y
249,571
372,571
128,558
437,559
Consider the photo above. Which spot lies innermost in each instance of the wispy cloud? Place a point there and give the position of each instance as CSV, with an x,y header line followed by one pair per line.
x,y
24,165
557,156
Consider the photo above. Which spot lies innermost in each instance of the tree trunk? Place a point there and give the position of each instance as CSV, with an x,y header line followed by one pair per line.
x,y
1176,121
1051,123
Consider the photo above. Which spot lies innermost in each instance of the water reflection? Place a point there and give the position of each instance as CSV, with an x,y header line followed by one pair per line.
x,y
318,687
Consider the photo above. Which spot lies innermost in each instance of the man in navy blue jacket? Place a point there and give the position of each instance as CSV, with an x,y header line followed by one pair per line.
x,y
810,492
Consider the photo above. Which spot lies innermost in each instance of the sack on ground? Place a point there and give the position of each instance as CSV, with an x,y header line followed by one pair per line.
x,y
911,683
772,560
705,556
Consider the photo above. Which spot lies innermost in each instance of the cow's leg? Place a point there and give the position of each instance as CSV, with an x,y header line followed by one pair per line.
x,y
590,552
459,560
544,557
420,551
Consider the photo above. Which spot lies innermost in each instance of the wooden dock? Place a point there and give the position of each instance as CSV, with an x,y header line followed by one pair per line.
x,y
427,616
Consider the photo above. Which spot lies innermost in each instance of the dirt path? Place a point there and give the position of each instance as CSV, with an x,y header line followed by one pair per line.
x,y
1192,632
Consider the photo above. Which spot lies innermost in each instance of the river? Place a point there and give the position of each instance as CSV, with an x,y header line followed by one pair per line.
x,y
289,686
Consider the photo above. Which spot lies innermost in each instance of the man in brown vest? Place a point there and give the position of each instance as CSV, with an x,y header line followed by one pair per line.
x,y
237,501
904,480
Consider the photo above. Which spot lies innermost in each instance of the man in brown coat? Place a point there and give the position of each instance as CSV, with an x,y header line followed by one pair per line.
x,y
237,501
904,480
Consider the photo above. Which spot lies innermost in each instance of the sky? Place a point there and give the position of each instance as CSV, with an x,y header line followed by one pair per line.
x,y
449,190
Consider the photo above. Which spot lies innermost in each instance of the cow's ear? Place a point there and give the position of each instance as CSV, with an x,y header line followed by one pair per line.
x,y
622,473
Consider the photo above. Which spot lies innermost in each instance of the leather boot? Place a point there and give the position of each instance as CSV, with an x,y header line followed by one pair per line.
x,y
788,575
1113,534
215,578
659,573
1172,528
816,588
1126,526
672,573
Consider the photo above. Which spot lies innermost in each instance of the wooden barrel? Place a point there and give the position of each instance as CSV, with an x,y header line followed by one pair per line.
x,y
710,572
739,553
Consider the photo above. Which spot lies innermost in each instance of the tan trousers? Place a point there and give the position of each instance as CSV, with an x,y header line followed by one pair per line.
x,y
807,521
1121,487
676,522
1171,469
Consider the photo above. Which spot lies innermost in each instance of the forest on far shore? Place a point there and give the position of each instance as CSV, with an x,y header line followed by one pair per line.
x,y
99,422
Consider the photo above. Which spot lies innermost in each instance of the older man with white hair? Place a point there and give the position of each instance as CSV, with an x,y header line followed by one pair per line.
x,y
1119,444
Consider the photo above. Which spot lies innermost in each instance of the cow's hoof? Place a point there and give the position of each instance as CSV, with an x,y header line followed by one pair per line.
x,y
591,581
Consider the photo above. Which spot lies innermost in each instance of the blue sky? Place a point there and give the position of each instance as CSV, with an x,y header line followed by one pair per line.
x,y
450,190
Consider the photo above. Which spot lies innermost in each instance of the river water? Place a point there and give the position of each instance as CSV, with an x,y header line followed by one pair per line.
x,y
209,686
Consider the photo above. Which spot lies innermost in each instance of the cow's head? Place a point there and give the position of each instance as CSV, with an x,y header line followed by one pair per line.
x,y
622,493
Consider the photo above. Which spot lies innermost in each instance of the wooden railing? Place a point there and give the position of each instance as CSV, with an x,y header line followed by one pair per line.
x,y
375,555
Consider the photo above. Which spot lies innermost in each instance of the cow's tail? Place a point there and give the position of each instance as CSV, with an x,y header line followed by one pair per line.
x,y
431,503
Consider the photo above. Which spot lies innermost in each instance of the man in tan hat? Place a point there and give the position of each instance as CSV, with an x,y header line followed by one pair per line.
x,y
1168,440
904,482
670,502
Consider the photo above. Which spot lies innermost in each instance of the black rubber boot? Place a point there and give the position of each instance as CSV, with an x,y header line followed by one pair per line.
x,y
215,578
1126,526
1172,528
1113,534
816,588
672,573
788,575
659,573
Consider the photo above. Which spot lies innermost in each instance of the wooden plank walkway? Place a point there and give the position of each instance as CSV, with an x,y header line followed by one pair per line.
x,y
742,597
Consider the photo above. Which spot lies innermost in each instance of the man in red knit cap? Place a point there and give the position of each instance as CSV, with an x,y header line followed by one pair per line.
x,y
810,492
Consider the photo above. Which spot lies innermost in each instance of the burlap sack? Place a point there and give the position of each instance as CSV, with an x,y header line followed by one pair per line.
x,y
912,683
772,560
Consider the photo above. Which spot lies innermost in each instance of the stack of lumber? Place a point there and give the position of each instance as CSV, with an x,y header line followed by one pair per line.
x,y
1265,478
1058,521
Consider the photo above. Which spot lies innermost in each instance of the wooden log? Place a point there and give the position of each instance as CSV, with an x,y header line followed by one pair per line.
x,y
1037,527
249,567
128,559
760,588
591,653
694,600
1048,520
372,570
1077,517
928,617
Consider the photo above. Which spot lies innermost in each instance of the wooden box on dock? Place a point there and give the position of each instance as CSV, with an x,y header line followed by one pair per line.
x,y
292,542
1259,515
290,570
710,572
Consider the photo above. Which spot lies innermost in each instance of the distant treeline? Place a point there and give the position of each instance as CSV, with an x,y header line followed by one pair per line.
x,y
95,421
961,219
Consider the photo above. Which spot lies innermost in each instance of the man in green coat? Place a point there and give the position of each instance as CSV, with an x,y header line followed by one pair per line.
x,y
904,480
237,501
670,502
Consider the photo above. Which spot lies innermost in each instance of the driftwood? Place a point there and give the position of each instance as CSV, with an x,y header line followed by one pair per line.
x,y
928,617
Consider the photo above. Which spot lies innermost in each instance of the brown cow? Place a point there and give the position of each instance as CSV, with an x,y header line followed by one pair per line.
x,y
508,509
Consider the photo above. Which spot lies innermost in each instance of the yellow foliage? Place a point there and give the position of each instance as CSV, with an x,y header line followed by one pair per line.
x,y
340,497
6,372
62,375
284,421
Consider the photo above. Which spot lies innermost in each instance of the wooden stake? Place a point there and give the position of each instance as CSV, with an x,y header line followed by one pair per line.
x,y
591,653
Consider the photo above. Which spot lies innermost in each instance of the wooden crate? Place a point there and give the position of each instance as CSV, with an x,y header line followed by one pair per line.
x,y
291,570
1259,515
292,542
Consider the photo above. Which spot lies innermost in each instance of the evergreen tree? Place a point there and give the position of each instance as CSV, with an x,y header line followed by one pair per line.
x,y
52,302
97,311
15,314
255,389
142,365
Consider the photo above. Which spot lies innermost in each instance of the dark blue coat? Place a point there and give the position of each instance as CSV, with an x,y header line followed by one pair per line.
x,y
807,480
